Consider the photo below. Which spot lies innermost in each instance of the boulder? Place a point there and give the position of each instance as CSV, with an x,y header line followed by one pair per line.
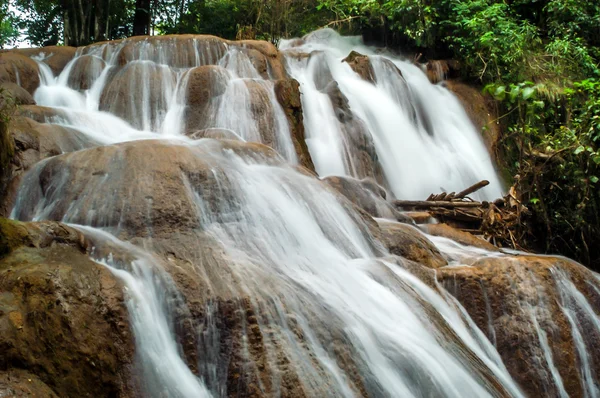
x,y
204,85
40,114
539,312
84,72
17,94
464,238
215,133
62,316
124,95
361,64
407,241
367,195
149,185
56,57
33,142
440,70
276,69
360,148
20,69
288,95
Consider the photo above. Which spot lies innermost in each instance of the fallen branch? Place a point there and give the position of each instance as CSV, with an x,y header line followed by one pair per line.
x,y
473,188
435,203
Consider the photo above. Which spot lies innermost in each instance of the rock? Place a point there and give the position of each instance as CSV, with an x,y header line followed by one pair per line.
x,y
18,95
408,242
33,142
56,57
288,95
440,70
520,302
62,316
179,51
40,114
19,383
215,133
148,185
367,195
205,84
419,217
464,238
483,112
84,72
123,95
359,145
7,152
20,69
276,69
361,64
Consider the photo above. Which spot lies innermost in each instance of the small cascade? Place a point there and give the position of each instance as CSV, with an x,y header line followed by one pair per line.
x,y
148,288
146,84
422,137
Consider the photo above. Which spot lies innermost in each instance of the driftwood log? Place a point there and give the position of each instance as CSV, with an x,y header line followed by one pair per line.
x,y
500,221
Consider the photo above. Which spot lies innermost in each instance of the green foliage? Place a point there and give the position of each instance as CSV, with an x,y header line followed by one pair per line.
x,y
8,31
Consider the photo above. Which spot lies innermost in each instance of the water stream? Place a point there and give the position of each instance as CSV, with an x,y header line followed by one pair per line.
x,y
335,313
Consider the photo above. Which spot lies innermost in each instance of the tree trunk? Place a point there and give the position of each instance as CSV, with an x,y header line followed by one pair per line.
x,y
141,18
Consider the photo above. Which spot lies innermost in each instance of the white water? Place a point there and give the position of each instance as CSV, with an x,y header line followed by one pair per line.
x,y
424,139
148,286
306,262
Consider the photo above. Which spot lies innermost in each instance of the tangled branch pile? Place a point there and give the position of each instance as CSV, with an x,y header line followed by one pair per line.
x,y
501,222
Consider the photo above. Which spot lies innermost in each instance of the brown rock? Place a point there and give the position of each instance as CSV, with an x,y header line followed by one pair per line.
x,y
440,70
57,57
408,242
205,84
464,238
33,142
19,383
215,133
85,70
62,316
419,217
276,69
147,184
134,82
20,69
518,303
40,114
17,94
361,64
288,95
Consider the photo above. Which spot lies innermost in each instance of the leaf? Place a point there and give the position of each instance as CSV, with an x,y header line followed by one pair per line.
x,y
534,200
579,149
500,93
527,93
593,179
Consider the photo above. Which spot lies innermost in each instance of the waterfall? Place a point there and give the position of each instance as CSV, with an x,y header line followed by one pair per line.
x,y
193,197
423,138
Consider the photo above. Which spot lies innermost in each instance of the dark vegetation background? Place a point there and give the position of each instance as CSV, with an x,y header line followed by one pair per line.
x,y
538,58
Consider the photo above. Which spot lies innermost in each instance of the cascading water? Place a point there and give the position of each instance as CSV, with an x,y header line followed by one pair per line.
x,y
282,285
422,136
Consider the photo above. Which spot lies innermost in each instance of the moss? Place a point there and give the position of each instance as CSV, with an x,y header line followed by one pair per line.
x,y
13,234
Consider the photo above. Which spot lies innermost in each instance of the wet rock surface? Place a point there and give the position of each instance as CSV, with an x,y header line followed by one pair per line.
x,y
62,316
19,69
522,304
